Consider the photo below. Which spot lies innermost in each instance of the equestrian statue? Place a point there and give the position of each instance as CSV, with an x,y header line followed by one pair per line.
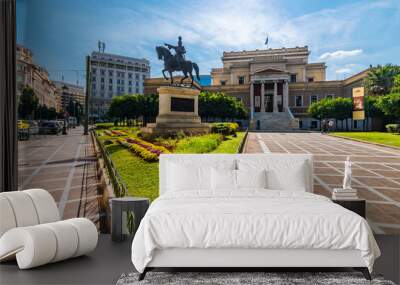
x,y
177,62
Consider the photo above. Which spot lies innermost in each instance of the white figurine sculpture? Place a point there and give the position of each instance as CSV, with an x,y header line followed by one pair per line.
x,y
347,174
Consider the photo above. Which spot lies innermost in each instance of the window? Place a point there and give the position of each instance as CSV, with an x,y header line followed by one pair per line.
x,y
102,80
102,87
110,73
314,124
144,77
313,99
329,96
122,81
94,86
130,83
299,101
118,81
355,124
130,89
137,83
129,75
137,76
293,77
94,78
94,70
109,87
223,82
241,80
102,72
110,95
310,79
300,124
110,81
137,90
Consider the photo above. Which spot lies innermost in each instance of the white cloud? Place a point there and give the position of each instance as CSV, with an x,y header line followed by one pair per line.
x,y
339,54
347,68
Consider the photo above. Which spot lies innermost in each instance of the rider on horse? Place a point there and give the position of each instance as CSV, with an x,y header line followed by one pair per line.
x,y
179,51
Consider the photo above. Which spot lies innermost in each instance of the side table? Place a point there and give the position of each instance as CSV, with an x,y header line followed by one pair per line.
x,y
138,206
357,205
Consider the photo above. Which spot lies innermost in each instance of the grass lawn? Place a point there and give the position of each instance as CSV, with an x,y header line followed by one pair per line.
x,y
377,137
141,177
230,145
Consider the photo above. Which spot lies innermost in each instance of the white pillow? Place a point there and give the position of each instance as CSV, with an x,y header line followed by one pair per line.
x,y
288,175
223,179
282,174
251,178
188,177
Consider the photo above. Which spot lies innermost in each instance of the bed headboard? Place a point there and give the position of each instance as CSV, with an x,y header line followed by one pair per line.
x,y
165,159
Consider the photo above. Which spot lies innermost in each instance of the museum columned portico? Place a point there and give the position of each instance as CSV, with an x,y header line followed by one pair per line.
x,y
269,92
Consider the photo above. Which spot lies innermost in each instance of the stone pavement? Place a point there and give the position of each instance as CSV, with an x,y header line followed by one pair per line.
x,y
64,165
376,170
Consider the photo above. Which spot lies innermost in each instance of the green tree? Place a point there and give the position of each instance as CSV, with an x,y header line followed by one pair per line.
x,y
217,105
396,84
390,105
28,103
341,109
380,79
321,110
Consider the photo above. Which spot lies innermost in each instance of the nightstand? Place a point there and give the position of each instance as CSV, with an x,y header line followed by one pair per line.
x,y
137,205
357,205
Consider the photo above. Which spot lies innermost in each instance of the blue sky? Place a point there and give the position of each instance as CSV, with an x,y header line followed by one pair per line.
x,y
347,35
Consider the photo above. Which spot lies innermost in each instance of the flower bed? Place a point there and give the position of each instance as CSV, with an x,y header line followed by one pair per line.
x,y
147,151
114,133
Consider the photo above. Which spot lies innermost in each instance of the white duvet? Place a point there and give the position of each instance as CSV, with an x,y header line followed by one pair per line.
x,y
250,219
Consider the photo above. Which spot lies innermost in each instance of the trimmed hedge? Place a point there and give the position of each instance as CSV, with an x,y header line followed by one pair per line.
x,y
225,129
145,150
393,128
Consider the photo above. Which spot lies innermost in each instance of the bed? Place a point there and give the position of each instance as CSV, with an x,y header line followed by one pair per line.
x,y
245,211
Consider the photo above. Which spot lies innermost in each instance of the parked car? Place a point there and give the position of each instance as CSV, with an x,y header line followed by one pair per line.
x,y
50,127
33,128
23,130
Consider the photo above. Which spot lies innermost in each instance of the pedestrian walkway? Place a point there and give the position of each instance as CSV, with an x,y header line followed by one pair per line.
x,y
64,165
376,171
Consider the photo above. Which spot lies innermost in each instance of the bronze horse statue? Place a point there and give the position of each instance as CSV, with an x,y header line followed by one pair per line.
x,y
171,64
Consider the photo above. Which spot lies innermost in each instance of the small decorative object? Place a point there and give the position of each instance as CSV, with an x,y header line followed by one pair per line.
x,y
345,193
347,174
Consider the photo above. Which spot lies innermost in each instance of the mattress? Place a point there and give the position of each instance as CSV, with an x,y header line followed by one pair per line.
x,y
250,219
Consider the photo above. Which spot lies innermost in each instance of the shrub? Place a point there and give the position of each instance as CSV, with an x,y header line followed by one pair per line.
x,y
225,129
107,142
199,144
393,128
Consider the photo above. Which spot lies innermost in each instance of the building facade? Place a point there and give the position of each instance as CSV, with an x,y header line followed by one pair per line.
x,y
69,93
114,75
278,85
36,77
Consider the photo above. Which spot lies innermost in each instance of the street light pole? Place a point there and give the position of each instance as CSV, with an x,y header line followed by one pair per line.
x,y
88,87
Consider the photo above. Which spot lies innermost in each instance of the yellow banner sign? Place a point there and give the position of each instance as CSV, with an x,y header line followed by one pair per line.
x,y
358,103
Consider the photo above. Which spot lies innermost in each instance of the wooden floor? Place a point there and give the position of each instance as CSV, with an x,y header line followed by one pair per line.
x,y
110,259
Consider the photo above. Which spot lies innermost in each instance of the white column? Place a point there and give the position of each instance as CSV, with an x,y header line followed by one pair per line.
x,y
262,98
275,109
285,96
251,101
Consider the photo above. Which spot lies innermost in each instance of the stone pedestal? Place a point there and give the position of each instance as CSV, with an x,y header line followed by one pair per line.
x,y
178,111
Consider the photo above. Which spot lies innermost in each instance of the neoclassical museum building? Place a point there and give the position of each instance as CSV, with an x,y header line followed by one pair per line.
x,y
276,85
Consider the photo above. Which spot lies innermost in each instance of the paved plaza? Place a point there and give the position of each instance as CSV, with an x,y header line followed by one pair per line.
x,y
64,165
376,170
